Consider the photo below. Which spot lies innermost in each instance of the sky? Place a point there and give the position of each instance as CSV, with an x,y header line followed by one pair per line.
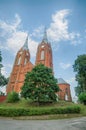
x,y
66,31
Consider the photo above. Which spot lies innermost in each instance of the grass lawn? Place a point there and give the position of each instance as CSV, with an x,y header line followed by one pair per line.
x,y
27,104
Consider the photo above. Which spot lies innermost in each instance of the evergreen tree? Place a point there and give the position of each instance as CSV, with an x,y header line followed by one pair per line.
x,y
40,85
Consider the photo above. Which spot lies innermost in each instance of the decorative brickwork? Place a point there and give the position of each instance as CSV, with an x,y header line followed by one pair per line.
x,y
44,53
64,93
22,65
2,98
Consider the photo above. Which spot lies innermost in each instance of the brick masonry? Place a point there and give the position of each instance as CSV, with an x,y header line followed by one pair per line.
x,y
2,98
22,65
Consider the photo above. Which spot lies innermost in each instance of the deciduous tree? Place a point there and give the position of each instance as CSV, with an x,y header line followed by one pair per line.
x,y
80,69
40,85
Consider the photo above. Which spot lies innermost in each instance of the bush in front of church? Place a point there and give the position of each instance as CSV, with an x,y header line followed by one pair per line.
x,y
12,97
40,85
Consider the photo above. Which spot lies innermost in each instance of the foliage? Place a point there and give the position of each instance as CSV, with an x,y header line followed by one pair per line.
x,y
12,97
0,57
11,112
80,69
1,93
82,98
3,80
40,85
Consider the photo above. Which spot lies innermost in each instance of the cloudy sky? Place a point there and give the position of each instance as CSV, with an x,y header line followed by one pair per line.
x,y
66,29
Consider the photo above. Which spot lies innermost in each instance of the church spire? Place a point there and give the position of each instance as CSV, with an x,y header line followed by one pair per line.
x,y
25,46
45,36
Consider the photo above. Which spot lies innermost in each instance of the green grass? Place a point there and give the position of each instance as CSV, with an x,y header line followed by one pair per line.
x,y
28,104
25,104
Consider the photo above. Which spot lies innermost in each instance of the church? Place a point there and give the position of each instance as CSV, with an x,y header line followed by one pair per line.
x,y
22,65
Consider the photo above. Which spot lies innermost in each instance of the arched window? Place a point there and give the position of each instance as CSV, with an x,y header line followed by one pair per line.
x,y
42,55
19,60
66,97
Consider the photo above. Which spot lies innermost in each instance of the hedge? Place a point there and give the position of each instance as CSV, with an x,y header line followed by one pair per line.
x,y
13,112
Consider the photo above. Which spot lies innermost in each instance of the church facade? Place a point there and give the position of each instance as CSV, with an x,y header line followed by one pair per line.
x,y
22,65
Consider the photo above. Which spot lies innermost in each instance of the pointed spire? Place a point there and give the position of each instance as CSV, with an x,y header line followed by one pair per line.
x,y
25,46
45,36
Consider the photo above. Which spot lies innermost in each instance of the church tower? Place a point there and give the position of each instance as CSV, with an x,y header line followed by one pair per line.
x,y
44,52
21,66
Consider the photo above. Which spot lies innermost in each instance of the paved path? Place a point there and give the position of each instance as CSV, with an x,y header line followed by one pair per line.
x,y
64,124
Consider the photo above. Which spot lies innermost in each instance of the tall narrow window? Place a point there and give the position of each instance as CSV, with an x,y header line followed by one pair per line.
x,y
19,60
42,55
66,97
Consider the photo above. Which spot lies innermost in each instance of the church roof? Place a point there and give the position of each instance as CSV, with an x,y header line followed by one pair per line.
x,y
25,46
45,36
61,81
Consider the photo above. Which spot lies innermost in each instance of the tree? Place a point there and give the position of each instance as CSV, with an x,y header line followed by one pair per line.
x,y
40,85
82,98
80,69
3,80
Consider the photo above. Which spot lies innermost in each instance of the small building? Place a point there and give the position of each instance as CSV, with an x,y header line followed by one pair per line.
x,y
64,93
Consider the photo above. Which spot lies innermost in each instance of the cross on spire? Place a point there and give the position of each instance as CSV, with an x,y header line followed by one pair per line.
x,y
45,36
25,46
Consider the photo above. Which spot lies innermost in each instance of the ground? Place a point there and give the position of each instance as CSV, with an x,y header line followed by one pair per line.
x,y
63,124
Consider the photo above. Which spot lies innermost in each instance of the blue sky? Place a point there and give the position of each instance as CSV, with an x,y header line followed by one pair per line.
x,y
66,29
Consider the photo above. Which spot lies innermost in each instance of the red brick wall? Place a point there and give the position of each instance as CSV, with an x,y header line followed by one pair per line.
x,y
2,98
47,60
19,71
64,89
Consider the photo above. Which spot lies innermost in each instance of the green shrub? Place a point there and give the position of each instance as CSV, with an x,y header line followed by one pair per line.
x,y
12,97
12,112
82,98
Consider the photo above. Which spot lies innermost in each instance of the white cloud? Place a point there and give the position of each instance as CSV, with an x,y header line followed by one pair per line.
x,y
15,37
38,32
3,89
16,41
9,65
32,46
57,31
10,27
4,72
3,47
59,27
64,65
71,80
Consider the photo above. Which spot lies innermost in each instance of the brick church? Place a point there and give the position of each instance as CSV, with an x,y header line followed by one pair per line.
x,y
22,65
